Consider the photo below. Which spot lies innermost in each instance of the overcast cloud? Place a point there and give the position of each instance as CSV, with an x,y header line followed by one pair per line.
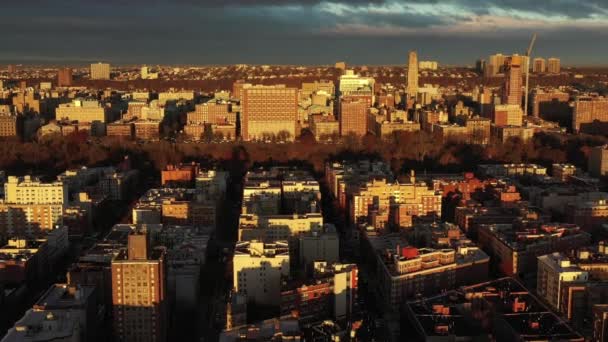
x,y
299,31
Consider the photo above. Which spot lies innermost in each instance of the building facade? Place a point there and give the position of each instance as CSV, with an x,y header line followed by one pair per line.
x,y
269,111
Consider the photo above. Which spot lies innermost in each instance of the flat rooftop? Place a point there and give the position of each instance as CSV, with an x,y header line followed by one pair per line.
x,y
478,310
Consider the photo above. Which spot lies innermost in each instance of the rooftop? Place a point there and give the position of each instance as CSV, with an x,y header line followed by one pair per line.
x,y
63,296
522,238
261,249
478,310
263,331
44,326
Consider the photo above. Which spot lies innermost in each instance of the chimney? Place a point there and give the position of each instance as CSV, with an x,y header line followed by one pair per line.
x,y
412,176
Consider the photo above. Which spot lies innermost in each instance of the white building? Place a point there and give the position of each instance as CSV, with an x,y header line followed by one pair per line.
x,y
553,270
83,111
258,269
164,97
350,82
345,284
28,190
428,65
277,227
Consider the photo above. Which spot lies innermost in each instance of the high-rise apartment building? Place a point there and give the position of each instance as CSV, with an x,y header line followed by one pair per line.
x,y
100,71
31,206
554,65
499,63
64,77
512,91
412,75
139,291
539,65
353,117
11,125
258,270
28,190
495,65
29,219
269,111
589,113
478,130
553,270
550,105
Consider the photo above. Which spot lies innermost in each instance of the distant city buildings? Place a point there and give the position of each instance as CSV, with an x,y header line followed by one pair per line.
x,y
428,65
100,71
590,114
82,110
553,65
64,77
550,104
353,117
412,74
539,65
272,248
268,111
351,84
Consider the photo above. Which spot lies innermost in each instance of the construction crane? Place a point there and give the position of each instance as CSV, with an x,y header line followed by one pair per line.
x,y
528,54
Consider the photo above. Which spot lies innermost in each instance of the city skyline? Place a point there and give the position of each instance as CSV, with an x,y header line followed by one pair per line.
x,y
299,31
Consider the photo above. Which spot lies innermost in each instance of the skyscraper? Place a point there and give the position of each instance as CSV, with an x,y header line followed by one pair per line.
x,y
412,75
64,77
138,291
100,71
268,111
513,82
554,65
539,65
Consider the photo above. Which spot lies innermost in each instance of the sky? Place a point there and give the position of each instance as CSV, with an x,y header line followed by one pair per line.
x,y
311,32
